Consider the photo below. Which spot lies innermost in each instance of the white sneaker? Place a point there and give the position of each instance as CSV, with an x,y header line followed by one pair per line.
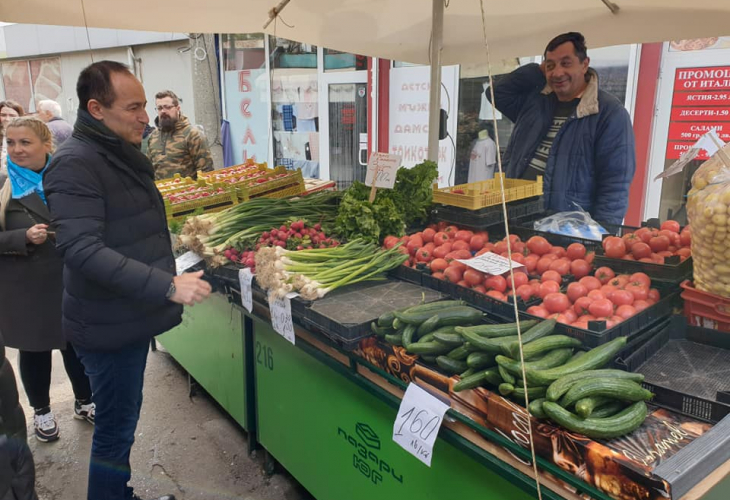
x,y
85,412
46,427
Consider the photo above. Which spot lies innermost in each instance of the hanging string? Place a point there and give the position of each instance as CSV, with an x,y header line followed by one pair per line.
x,y
86,26
509,253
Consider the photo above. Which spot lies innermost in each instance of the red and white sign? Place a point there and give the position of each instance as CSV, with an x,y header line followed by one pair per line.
x,y
710,78
688,131
701,99
700,114
676,149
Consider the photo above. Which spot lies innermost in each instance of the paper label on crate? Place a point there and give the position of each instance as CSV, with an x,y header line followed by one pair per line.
x,y
418,422
281,318
491,263
186,261
245,278
382,168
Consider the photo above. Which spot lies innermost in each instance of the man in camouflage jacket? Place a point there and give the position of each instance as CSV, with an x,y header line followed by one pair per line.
x,y
176,146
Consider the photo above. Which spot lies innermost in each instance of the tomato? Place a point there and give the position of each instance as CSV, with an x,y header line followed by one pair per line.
x,y
671,236
684,252
463,283
644,234
659,243
628,256
512,238
497,283
413,245
428,235
561,265
551,276
500,247
639,291
520,279
556,302
654,295
454,274
518,257
576,251
640,278
671,225
525,292
605,274
464,235
548,287
625,311
629,240
601,308
608,290
480,289
519,248
539,245
477,242
390,241
587,318
580,268
439,265
685,238
641,250
622,298
538,311
596,295
439,276
442,251
473,277
589,257
563,319
665,254
423,255
531,263
581,305
640,305
590,282
460,245
570,314
440,238
576,291
497,295
657,259
482,251
451,231
544,264
614,247
619,282
583,325
459,254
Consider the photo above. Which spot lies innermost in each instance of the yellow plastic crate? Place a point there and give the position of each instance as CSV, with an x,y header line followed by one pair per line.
x,y
487,193
224,173
173,184
212,203
291,185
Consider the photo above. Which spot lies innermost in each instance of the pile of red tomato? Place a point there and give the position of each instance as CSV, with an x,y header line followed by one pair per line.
x,y
651,245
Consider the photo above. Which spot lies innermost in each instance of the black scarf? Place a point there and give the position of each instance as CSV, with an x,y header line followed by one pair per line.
x,y
89,128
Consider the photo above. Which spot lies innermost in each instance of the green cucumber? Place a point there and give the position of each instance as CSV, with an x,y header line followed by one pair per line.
x,y
450,339
584,407
608,410
433,307
426,338
621,389
470,382
397,324
432,348
578,354
593,359
533,392
468,373
506,376
561,385
542,329
428,359
620,424
492,376
396,339
457,315
554,358
503,330
380,331
505,389
451,366
386,319
535,408
541,346
485,344
408,333
429,325
461,353
480,360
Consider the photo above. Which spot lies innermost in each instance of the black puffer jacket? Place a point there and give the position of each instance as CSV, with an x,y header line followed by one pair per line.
x,y
111,229
17,471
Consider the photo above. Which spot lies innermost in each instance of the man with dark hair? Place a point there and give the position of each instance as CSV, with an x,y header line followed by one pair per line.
x,y
176,146
575,135
120,284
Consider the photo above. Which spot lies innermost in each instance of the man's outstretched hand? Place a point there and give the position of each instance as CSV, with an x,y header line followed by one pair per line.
x,y
190,288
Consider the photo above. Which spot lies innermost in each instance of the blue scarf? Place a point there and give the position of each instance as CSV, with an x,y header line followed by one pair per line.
x,y
25,181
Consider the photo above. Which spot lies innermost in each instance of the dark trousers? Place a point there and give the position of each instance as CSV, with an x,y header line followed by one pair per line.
x,y
116,379
35,372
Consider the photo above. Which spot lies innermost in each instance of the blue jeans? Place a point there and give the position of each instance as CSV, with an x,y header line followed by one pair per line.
x,y
116,382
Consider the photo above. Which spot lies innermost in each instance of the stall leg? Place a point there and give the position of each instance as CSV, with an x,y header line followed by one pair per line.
x,y
269,463
153,344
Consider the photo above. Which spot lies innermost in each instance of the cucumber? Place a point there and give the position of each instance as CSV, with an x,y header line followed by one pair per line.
x,y
397,324
561,385
545,327
620,424
429,325
468,373
450,339
408,333
578,354
541,346
426,338
608,410
396,339
470,382
621,389
554,358
533,392
485,344
480,359
433,307
461,353
451,366
386,319
432,348
380,331
584,407
506,376
491,331
535,408
505,388
428,359
458,315
593,359
492,377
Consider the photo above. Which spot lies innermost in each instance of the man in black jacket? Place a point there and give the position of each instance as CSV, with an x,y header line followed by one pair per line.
x,y
119,274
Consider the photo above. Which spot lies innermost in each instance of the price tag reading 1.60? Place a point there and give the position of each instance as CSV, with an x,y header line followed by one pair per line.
x,y
281,318
418,422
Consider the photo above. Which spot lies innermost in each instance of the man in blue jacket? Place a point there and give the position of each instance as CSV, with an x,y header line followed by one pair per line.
x,y
577,136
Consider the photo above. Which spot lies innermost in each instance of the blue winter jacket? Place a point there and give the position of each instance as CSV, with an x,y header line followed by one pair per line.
x,y
592,160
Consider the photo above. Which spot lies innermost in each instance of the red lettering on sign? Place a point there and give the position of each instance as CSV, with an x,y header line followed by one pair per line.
x,y
249,137
245,104
244,84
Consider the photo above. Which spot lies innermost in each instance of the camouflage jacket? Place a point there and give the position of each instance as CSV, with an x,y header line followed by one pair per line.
x,y
184,151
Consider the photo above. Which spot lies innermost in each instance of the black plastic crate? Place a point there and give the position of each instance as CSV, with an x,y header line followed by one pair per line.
x,y
523,227
673,271
687,368
487,217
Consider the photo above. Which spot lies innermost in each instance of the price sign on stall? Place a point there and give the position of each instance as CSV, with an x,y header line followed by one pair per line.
x,y
245,277
382,169
491,263
281,318
418,422
186,261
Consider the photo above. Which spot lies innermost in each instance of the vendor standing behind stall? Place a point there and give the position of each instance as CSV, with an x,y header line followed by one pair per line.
x,y
576,135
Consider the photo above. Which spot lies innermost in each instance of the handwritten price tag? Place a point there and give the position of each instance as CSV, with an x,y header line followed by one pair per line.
x,y
382,169
186,261
245,277
281,318
491,263
418,422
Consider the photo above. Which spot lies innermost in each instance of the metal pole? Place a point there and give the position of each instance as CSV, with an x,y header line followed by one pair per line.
x,y
434,101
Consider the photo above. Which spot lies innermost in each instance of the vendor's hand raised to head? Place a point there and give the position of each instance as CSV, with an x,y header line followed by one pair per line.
x,y
37,235
190,288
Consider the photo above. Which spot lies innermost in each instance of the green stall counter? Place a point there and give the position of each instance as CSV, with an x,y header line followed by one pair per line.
x,y
210,344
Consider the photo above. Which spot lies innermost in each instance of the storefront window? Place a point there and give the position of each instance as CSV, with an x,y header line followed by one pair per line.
x,y
28,82
243,51
338,61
